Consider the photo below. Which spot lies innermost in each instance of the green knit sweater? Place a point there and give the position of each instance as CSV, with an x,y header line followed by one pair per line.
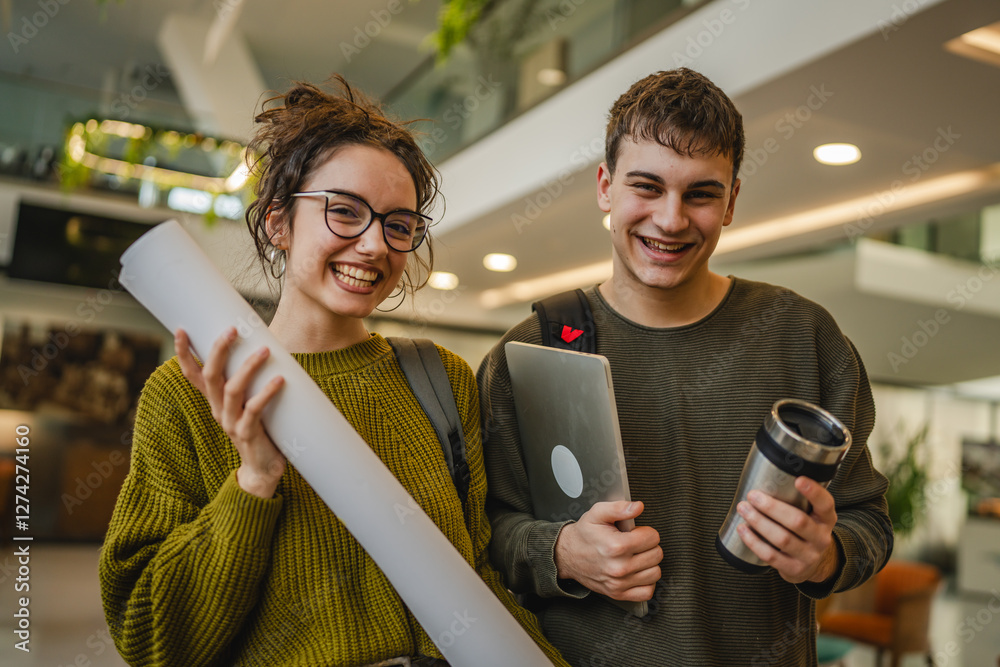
x,y
195,571
690,400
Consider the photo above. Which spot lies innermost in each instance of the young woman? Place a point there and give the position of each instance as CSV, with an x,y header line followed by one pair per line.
x,y
218,551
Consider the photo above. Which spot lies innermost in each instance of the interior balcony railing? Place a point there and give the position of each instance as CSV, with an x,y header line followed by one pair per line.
x,y
518,55
973,236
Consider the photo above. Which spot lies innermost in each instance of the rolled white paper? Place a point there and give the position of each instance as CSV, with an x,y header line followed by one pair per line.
x,y
173,278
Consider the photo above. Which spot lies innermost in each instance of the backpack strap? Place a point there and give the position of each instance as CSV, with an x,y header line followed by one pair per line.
x,y
429,382
567,322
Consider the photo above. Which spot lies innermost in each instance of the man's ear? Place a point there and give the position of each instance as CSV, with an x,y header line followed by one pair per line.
x,y
603,187
730,209
276,224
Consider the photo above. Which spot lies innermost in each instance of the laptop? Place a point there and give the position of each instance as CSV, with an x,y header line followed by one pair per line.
x,y
570,438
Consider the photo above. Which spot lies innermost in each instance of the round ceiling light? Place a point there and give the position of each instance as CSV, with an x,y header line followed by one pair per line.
x,y
498,261
442,280
837,154
550,76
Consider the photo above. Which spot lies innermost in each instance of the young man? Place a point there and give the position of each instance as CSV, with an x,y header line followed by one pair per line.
x,y
698,360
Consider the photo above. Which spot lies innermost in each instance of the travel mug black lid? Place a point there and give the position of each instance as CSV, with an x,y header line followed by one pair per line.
x,y
807,431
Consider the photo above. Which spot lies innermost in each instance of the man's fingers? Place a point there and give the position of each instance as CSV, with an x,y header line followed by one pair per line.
x,y
613,511
823,504
645,539
770,527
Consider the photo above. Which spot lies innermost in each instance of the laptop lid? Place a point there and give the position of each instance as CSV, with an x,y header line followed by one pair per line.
x,y
570,437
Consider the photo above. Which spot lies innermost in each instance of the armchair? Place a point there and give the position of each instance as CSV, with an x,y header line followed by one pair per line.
x,y
900,620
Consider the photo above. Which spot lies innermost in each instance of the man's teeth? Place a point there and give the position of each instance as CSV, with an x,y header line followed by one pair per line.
x,y
666,247
352,275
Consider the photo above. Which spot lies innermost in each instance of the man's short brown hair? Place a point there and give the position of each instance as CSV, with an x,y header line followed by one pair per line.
x,y
680,109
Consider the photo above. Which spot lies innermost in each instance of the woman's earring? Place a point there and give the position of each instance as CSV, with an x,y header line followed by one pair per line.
x,y
400,293
277,259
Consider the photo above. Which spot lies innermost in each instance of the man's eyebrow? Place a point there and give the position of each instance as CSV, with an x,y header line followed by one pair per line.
x,y
647,175
709,183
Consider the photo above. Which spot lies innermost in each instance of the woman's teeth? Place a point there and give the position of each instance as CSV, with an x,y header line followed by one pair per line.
x,y
664,247
354,276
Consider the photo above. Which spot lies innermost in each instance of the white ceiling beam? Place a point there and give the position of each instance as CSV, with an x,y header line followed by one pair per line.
x,y
220,96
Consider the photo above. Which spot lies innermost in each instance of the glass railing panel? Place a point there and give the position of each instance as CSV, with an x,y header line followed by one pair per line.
x,y
972,236
518,56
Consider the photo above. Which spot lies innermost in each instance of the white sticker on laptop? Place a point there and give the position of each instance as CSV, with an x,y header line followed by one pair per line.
x,y
567,471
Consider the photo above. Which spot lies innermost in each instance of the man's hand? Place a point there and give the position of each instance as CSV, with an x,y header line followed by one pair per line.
x,y
623,566
805,547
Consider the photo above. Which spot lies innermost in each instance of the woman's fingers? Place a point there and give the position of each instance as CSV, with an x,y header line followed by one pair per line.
x,y
236,405
214,371
189,365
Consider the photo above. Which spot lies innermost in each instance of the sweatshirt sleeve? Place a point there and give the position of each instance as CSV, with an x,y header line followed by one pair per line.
x,y
523,548
468,404
179,570
863,533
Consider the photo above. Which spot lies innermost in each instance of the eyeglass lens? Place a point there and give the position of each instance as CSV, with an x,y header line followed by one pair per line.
x,y
348,217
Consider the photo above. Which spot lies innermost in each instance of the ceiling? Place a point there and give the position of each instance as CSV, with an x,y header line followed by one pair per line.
x,y
291,40
890,96
893,92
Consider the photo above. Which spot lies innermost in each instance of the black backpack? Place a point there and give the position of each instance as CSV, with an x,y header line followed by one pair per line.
x,y
567,322
429,382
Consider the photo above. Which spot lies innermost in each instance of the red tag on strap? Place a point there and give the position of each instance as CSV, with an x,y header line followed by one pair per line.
x,y
569,334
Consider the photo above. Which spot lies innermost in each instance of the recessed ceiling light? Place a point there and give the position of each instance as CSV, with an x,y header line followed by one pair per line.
x,y
442,280
837,153
982,44
498,261
550,76
607,222
986,38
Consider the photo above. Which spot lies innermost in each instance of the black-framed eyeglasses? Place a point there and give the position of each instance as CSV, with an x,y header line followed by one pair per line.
x,y
348,217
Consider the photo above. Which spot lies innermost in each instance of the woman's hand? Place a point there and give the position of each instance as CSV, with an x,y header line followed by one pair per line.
x,y
261,464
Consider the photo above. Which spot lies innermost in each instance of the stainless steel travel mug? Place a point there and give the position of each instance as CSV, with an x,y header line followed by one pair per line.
x,y
797,439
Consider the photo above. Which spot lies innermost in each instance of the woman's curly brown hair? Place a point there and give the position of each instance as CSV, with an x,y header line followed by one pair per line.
x,y
294,138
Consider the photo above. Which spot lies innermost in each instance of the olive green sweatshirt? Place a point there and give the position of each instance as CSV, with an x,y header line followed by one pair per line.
x,y
195,571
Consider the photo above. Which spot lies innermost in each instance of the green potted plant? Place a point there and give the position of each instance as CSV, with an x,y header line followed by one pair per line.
x,y
906,468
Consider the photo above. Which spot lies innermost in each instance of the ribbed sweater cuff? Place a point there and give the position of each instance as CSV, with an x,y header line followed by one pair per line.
x,y
244,518
542,556
822,589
